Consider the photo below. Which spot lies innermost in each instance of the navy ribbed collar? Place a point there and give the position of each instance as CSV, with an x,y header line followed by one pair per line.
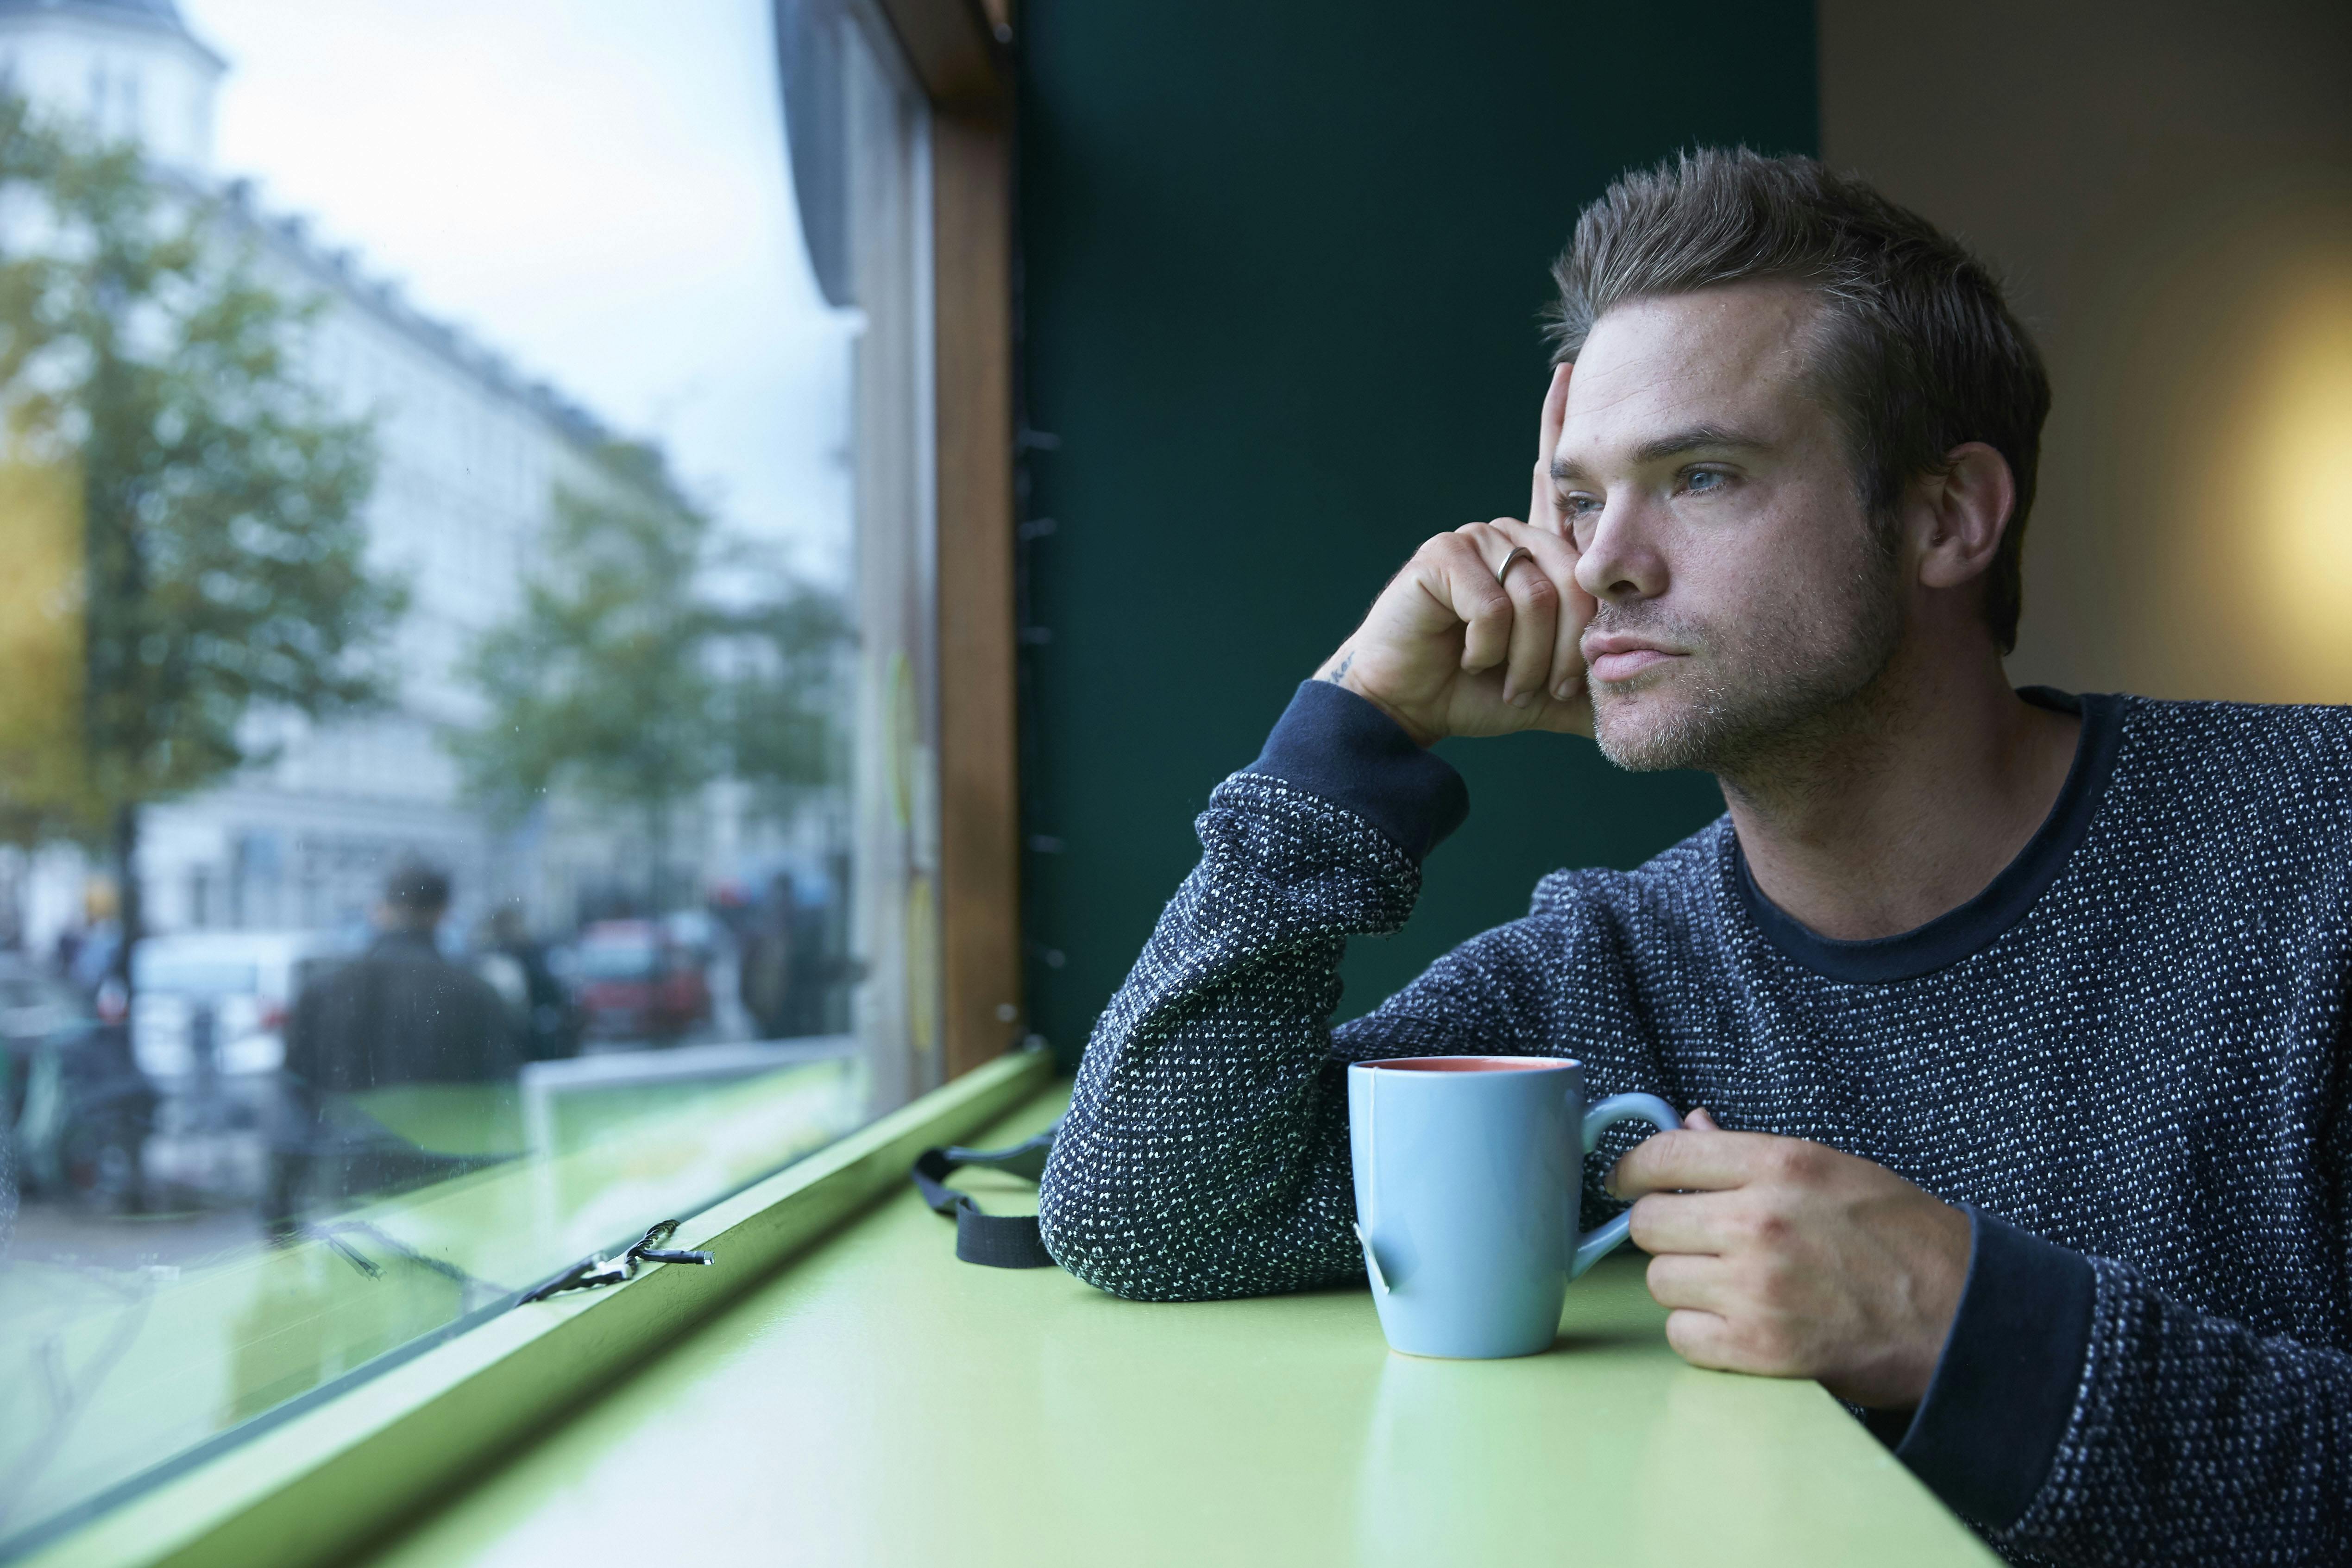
x,y
1953,936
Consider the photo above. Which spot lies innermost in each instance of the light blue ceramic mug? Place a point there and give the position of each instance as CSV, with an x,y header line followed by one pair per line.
x,y
1469,1172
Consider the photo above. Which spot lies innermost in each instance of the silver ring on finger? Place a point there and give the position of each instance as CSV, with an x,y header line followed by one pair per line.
x,y
1518,552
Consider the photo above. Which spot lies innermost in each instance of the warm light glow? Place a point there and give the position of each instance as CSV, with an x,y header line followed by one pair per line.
x,y
2298,479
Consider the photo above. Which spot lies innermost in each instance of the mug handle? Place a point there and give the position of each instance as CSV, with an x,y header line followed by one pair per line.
x,y
1595,1245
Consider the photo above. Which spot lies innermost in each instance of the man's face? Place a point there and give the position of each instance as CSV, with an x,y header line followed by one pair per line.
x,y
1744,598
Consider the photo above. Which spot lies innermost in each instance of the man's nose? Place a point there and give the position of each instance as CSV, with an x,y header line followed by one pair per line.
x,y
1621,560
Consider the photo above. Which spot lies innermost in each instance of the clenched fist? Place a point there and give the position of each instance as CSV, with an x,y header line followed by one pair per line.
x,y
1451,649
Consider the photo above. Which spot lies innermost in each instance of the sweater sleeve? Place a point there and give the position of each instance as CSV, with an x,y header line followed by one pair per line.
x,y
2194,1440
1205,1153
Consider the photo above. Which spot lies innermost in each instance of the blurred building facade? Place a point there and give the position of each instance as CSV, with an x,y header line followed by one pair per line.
x,y
470,454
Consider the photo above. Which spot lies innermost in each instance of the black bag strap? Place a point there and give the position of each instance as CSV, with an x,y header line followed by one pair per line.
x,y
992,1240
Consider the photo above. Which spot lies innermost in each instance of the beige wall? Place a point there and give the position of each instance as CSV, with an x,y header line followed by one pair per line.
x,y
2167,188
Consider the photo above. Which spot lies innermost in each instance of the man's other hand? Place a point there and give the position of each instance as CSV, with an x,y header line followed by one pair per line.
x,y
1788,1258
1449,650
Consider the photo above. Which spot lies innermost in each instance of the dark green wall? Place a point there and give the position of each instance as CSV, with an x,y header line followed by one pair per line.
x,y
1282,270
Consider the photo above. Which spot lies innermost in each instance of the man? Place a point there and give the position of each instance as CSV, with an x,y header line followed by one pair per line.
x,y
398,1013
771,958
2008,1023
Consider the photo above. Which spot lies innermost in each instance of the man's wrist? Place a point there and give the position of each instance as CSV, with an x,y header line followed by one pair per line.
x,y
2003,1391
1937,1285
1337,743
1421,735
1339,670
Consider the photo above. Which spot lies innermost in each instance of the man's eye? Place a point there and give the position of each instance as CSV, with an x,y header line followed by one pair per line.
x,y
1580,505
1702,480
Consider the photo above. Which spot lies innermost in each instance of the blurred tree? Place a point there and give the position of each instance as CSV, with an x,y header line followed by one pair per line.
x,y
599,687
622,683
214,491
785,692
41,650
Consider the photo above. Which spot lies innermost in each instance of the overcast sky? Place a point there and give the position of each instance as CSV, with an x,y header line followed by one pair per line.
x,y
597,188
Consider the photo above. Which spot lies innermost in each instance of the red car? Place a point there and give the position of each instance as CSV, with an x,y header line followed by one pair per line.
x,y
635,983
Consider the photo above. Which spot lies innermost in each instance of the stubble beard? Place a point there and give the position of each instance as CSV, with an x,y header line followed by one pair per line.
x,y
1760,704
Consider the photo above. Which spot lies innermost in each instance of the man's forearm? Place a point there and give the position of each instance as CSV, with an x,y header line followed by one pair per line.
x,y
1205,1150
1205,1153
1205,1146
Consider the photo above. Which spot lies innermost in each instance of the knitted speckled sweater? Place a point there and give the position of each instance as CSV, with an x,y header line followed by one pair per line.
x,y
2123,1058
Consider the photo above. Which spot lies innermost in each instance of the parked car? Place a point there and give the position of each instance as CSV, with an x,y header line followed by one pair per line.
x,y
637,982
208,1018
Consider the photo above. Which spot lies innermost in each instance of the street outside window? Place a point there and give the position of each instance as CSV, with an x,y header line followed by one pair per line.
x,y
468,692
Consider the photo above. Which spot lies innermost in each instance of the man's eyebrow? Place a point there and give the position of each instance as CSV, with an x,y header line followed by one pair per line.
x,y
1698,438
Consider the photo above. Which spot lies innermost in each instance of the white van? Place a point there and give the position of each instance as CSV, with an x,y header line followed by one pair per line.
x,y
248,979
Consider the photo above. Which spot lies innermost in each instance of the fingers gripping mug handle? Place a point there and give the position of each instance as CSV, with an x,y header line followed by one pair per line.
x,y
1594,1246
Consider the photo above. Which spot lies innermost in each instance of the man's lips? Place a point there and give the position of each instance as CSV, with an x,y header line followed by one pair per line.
x,y
1619,657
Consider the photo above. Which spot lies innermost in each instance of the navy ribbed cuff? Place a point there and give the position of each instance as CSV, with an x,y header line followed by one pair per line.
x,y
2003,1390
1331,742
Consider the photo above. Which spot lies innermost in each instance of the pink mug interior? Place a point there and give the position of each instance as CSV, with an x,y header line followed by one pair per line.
x,y
1470,1064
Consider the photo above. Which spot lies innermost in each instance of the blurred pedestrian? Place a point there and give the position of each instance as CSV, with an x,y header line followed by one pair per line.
x,y
763,974
546,1025
96,947
783,971
398,1013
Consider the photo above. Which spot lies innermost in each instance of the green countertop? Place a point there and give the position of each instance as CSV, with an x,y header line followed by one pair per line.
x,y
879,1401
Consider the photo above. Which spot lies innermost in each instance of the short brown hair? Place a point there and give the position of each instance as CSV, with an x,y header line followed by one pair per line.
x,y
1919,351
416,888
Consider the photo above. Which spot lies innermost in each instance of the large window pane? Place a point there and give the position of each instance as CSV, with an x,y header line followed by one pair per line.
x,y
468,692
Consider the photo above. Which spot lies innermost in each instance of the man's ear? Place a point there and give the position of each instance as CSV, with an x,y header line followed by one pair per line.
x,y
1960,515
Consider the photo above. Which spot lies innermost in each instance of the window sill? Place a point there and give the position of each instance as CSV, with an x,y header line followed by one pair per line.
x,y
311,1488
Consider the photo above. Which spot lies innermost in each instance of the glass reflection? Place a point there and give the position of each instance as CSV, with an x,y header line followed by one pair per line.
x,y
452,815
399,1026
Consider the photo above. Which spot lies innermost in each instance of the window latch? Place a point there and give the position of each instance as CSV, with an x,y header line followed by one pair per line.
x,y
592,1271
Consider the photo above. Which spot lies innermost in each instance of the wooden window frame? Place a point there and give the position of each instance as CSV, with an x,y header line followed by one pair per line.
x,y
329,1474
957,50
